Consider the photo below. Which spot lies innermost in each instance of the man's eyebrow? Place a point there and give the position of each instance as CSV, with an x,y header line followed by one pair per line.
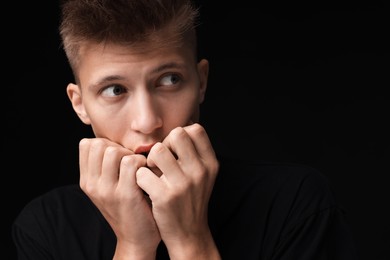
x,y
108,79
170,65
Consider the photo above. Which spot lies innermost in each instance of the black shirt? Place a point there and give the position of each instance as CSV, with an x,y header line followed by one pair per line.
x,y
256,211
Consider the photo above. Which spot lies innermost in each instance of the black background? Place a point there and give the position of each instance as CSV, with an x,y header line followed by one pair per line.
x,y
289,81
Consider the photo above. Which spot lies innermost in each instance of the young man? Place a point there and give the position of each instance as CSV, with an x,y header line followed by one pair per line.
x,y
151,185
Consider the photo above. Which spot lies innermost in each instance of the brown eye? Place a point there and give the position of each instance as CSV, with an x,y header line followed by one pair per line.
x,y
113,90
170,79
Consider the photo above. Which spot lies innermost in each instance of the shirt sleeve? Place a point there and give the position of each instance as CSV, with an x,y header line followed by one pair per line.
x,y
27,237
316,226
321,236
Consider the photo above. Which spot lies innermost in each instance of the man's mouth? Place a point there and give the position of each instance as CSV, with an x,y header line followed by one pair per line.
x,y
144,149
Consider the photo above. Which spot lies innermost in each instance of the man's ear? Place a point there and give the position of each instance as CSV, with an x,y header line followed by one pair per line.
x,y
203,71
74,94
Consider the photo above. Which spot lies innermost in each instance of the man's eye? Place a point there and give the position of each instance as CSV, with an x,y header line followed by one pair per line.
x,y
170,79
113,90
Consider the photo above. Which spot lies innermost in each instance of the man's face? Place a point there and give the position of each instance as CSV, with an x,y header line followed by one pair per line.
x,y
137,98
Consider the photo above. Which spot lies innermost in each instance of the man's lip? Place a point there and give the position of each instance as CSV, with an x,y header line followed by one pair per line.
x,y
143,149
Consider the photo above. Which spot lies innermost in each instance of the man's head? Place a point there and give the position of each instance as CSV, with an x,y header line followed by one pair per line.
x,y
135,66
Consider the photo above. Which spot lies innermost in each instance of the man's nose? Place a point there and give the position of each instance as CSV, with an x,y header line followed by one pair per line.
x,y
146,114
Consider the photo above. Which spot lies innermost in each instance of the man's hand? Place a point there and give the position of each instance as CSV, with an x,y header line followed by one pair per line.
x,y
107,176
180,195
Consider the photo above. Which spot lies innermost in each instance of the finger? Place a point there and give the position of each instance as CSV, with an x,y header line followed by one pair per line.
x,y
91,156
201,142
83,159
180,143
162,158
111,165
150,183
92,151
128,168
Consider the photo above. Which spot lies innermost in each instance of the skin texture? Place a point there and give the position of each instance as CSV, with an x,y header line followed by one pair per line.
x,y
143,108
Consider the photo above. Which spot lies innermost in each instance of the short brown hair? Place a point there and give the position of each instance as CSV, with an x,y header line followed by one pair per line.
x,y
125,22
